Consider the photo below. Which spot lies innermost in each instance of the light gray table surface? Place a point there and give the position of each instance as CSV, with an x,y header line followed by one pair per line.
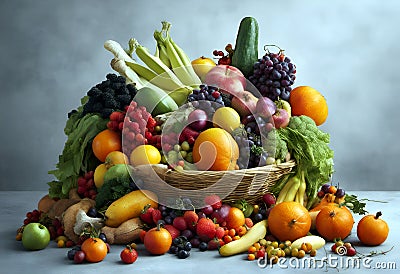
x,y
15,259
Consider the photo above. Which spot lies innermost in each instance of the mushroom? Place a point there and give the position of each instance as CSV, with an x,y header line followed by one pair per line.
x,y
83,220
72,218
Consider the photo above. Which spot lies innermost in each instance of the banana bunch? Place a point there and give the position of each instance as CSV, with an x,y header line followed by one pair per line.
x,y
168,75
294,190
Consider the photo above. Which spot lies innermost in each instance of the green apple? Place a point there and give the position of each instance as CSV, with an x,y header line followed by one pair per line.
x,y
35,236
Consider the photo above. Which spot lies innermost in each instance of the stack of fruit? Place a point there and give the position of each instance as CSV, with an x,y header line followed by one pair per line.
x,y
240,113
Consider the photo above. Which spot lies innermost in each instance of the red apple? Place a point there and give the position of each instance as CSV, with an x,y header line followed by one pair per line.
x,y
228,78
265,107
281,118
197,119
245,103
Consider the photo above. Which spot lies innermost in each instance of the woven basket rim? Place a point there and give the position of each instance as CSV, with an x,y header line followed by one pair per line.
x,y
252,171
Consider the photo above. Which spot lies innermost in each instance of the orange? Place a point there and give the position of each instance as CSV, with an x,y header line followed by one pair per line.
x,y
334,221
289,221
95,249
305,100
372,225
145,155
215,149
105,142
235,218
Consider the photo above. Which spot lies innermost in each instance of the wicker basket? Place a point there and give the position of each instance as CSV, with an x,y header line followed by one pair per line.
x,y
249,184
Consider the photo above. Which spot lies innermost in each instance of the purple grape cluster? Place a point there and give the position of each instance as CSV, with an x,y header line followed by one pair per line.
x,y
206,92
274,75
207,98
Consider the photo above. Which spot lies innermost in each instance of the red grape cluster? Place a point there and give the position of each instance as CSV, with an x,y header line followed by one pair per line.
x,y
138,127
33,216
53,225
56,229
116,122
86,186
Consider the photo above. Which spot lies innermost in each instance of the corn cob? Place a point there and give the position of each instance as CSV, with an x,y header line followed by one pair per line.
x,y
154,63
161,50
180,63
161,81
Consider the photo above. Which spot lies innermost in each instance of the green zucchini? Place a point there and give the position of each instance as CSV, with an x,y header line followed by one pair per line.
x,y
246,47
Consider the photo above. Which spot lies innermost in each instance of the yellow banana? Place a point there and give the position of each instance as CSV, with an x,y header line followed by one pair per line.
x,y
316,241
257,232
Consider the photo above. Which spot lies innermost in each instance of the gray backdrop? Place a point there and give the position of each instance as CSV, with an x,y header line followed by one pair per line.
x,y
52,53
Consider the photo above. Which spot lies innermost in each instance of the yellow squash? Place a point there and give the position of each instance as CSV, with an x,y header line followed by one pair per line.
x,y
129,206
257,232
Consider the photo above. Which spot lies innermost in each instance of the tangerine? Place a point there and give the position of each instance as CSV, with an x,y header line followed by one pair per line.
x,y
305,100
372,230
289,221
105,142
235,218
145,155
215,149
334,221
95,249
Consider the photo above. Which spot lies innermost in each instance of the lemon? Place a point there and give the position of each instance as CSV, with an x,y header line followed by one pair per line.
x,y
226,118
145,155
98,175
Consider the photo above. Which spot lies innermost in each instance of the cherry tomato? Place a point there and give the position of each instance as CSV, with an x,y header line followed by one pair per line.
x,y
129,255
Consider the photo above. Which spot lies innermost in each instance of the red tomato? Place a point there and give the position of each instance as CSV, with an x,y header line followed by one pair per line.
x,y
128,255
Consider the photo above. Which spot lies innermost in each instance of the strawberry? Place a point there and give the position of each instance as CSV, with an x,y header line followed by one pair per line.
x,y
214,201
191,219
156,215
205,229
147,215
214,244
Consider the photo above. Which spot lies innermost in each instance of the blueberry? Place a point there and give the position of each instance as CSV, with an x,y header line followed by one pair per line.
x,y
258,217
187,246
173,249
183,254
92,212
168,220
71,254
103,237
203,246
